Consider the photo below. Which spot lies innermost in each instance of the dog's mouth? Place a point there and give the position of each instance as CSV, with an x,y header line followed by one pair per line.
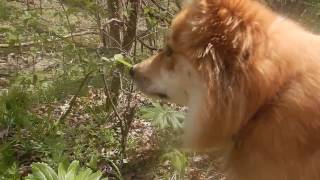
x,y
161,95
144,86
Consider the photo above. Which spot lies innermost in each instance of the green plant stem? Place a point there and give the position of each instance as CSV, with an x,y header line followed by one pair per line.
x,y
121,120
74,98
118,173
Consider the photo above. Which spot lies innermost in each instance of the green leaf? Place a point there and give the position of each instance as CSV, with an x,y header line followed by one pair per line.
x,y
38,174
72,169
47,171
5,10
61,171
12,38
95,176
93,162
84,174
41,171
30,177
177,159
163,117
121,59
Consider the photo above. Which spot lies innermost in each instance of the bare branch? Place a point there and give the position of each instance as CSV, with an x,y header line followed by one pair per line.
x,y
147,46
74,98
158,5
31,43
108,94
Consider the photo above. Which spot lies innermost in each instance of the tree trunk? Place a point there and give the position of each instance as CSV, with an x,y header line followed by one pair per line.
x,y
114,25
129,36
130,33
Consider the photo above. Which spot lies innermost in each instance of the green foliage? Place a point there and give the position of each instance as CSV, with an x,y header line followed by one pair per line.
x,y
89,140
14,108
117,59
42,171
11,173
118,173
163,116
121,59
178,160
26,133
9,169
4,10
86,5
150,12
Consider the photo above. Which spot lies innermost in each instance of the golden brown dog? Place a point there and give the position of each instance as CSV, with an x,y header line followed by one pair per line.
x,y
251,80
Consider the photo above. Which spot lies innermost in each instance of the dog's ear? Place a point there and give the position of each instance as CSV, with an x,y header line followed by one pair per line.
x,y
228,30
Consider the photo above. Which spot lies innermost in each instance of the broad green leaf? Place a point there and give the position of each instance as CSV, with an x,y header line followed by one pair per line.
x,y
30,177
38,175
41,171
163,116
95,176
72,170
84,174
47,171
61,172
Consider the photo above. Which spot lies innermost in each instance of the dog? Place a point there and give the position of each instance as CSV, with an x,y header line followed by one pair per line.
x,y
251,81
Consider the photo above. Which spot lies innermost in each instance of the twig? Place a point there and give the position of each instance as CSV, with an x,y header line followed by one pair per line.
x,y
131,111
107,93
121,120
147,46
113,20
113,39
158,5
68,19
48,40
74,98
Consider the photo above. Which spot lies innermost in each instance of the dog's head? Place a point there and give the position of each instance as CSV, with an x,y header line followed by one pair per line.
x,y
212,46
168,75
208,39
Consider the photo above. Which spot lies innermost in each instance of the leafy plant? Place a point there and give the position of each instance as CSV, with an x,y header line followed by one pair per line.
x,y
42,171
4,10
117,59
6,158
178,160
13,108
163,116
121,59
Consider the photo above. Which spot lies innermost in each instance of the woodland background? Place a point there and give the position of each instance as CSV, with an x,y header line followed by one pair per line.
x,y
65,95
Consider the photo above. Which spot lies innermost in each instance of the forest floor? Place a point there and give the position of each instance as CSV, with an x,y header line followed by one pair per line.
x,y
87,130
144,157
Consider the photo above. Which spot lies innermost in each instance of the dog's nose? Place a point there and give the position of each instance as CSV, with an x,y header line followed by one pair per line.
x,y
131,72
